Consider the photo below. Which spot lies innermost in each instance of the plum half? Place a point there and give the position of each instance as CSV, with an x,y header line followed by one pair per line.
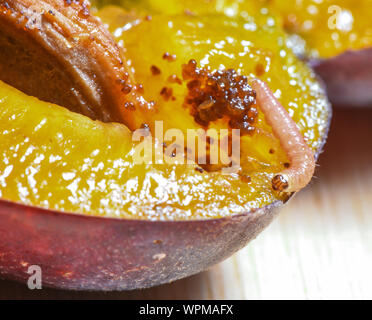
x,y
74,203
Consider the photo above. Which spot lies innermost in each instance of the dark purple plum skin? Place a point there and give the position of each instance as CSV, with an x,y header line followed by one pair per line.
x,y
79,252
348,78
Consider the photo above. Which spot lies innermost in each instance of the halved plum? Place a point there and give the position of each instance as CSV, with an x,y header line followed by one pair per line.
x,y
76,204
57,161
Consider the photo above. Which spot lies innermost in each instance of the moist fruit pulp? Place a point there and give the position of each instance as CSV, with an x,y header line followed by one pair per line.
x,y
60,160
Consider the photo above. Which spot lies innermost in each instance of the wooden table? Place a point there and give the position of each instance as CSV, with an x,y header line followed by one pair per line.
x,y
319,247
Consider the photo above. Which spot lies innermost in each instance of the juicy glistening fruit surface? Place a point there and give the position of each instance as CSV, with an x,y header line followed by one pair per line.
x,y
254,49
57,159
329,27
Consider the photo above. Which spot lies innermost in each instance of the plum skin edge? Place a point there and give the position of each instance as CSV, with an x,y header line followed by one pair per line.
x,y
347,77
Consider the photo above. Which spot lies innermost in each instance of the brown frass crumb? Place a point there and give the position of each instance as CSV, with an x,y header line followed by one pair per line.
x,y
127,88
166,93
174,79
260,70
169,57
155,70
246,179
139,88
222,93
129,105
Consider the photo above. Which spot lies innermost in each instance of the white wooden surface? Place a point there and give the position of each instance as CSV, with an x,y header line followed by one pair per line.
x,y
319,247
